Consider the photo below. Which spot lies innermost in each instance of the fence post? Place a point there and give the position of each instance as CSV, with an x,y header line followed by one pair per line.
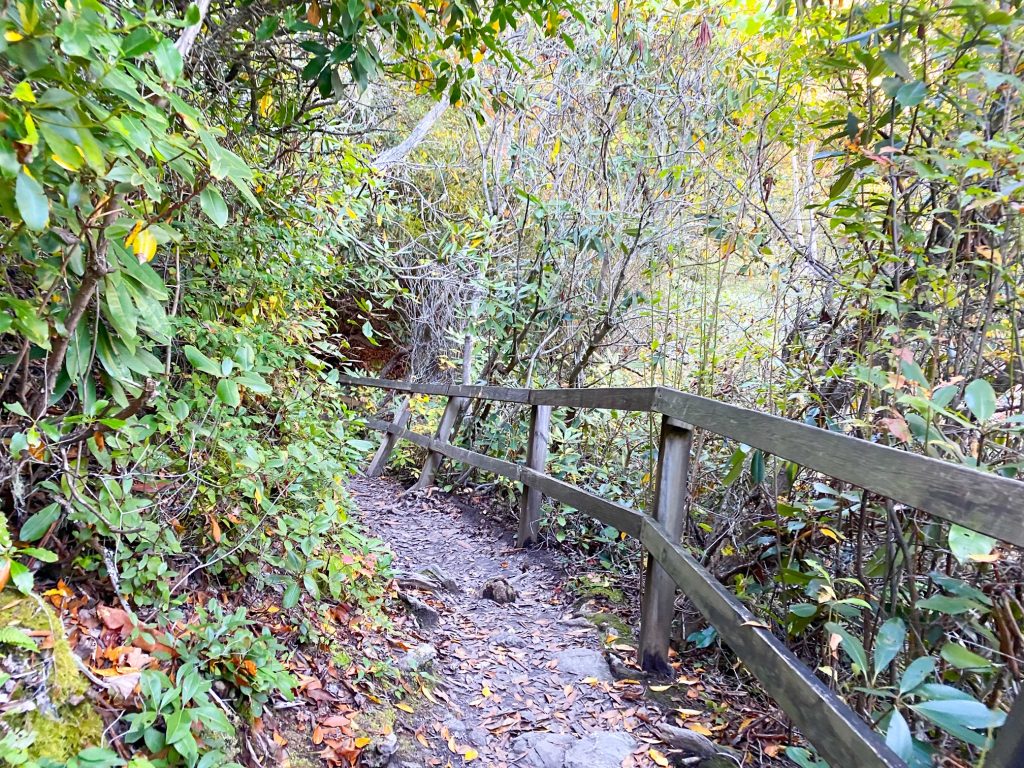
x,y
657,601
536,459
387,445
1008,751
444,431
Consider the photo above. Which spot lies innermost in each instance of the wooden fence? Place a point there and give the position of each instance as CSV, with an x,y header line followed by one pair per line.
x,y
986,503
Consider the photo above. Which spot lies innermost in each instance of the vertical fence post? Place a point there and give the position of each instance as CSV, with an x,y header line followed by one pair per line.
x,y
1008,751
444,431
387,445
657,602
536,459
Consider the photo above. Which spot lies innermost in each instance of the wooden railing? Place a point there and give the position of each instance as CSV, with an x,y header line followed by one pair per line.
x,y
986,503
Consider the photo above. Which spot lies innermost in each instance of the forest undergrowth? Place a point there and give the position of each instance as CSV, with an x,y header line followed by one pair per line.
x,y
210,210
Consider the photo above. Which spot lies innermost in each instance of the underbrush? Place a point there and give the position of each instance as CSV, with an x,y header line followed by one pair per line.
x,y
915,621
176,444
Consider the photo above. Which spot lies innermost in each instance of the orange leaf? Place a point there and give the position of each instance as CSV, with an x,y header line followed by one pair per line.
x,y
313,14
362,741
215,529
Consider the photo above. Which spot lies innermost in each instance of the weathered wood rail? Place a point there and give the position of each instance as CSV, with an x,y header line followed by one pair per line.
x,y
986,503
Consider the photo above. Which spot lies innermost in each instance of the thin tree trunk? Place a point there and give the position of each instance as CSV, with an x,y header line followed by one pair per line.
x,y
188,36
398,153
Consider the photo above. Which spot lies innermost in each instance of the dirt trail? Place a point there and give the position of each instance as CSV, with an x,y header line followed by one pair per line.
x,y
523,684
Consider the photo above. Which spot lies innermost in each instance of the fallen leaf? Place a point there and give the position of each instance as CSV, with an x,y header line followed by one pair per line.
x,y
657,757
362,741
124,685
115,619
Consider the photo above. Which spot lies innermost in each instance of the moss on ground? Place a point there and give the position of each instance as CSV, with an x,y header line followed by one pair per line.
x,y
609,622
72,723
590,586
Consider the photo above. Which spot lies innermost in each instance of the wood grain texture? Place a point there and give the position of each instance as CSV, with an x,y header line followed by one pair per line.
x,y
835,730
978,500
380,459
658,598
611,398
444,429
608,512
536,459
982,501
1008,751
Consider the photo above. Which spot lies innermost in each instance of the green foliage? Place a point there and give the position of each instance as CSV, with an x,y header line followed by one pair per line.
x,y
173,714
225,648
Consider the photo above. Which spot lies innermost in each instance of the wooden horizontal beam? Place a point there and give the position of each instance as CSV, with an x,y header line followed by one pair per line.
x,y
982,501
832,727
836,731
608,512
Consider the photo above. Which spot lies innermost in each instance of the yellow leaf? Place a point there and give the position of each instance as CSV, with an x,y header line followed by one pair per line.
x,y
405,708
826,531
362,741
23,92
557,148
659,688
31,134
701,729
471,754
144,245
420,10
266,103
12,37
133,234
486,691
989,558
657,757
65,164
